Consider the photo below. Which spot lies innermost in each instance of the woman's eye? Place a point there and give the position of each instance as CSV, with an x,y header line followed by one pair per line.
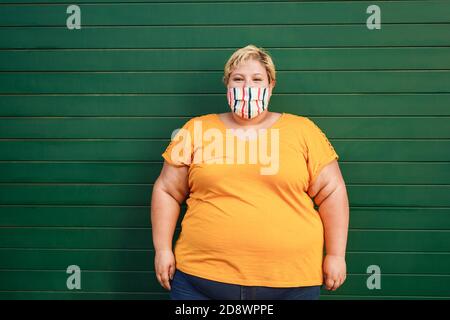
x,y
241,79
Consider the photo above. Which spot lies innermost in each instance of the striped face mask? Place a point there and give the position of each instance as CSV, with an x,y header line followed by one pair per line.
x,y
248,102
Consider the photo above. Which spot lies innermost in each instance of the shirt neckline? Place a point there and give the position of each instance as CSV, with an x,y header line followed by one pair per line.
x,y
274,125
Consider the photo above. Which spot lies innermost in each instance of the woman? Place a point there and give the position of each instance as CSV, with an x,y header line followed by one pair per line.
x,y
251,230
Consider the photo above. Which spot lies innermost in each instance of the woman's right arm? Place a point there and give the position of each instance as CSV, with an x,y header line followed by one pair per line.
x,y
169,192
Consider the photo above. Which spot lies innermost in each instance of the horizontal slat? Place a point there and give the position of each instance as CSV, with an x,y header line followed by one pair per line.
x,y
138,1
226,36
109,216
404,285
386,218
225,13
146,281
151,150
99,172
77,238
399,263
121,260
387,195
120,217
147,172
209,82
90,281
213,59
184,105
61,295
377,240
90,238
140,195
394,173
114,127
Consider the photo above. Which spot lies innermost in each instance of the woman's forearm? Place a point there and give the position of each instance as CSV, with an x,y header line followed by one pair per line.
x,y
334,212
165,211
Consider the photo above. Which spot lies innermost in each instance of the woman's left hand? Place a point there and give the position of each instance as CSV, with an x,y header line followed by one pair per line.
x,y
334,271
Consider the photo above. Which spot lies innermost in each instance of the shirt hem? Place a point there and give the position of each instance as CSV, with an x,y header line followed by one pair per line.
x,y
242,282
173,163
326,162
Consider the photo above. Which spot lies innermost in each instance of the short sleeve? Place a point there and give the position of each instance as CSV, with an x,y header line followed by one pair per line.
x,y
320,151
179,151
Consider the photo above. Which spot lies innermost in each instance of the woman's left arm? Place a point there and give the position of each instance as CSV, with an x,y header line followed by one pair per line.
x,y
330,194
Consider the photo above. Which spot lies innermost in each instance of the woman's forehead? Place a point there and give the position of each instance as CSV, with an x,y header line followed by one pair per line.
x,y
249,67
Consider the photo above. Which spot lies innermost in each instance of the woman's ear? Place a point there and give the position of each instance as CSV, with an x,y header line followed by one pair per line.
x,y
272,85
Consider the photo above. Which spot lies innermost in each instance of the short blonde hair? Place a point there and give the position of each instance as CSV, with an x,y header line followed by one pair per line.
x,y
246,53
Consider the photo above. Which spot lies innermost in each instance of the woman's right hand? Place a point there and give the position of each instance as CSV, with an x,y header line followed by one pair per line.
x,y
164,267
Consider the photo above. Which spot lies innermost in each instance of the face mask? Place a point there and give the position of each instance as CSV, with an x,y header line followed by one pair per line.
x,y
248,102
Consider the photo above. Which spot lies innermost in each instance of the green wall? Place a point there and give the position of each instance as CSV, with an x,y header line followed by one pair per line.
x,y
85,115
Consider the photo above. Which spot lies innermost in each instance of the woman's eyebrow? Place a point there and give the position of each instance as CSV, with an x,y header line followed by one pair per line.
x,y
240,74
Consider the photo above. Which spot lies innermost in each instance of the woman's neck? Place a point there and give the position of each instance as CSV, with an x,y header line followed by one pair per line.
x,y
254,122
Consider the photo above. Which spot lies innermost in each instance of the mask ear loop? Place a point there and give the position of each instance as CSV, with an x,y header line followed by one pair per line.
x,y
268,97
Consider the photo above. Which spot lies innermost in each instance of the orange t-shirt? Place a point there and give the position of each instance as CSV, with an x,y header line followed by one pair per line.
x,y
244,227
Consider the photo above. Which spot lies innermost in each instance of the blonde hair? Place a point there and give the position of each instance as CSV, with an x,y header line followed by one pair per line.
x,y
246,53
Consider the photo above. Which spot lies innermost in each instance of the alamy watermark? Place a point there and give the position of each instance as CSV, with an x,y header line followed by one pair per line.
x,y
374,280
74,20
74,280
220,148
374,20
